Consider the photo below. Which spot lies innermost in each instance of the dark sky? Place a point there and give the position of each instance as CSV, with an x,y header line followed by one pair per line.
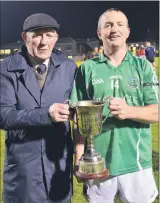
x,y
79,19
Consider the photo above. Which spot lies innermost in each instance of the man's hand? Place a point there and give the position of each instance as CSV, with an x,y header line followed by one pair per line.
x,y
59,112
76,168
119,108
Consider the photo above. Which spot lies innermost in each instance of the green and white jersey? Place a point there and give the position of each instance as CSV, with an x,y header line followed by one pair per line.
x,y
125,144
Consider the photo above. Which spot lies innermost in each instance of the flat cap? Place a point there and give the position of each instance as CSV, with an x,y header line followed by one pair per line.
x,y
39,21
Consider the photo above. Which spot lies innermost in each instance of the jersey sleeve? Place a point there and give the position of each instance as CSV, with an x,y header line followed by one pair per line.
x,y
150,85
79,91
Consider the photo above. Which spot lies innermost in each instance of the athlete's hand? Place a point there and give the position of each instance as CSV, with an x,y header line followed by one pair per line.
x,y
119,108
59,112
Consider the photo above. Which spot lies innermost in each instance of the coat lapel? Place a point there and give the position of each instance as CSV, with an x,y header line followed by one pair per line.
x,y
55,60
50,75
19,64
30,82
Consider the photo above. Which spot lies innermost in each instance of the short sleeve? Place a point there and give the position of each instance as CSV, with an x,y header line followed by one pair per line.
x,y
150,85
79,92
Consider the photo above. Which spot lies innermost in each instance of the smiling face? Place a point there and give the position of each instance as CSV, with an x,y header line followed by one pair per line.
x,y
113,29
40,43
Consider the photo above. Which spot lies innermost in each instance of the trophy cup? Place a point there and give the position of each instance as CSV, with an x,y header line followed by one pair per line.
x,y
89,124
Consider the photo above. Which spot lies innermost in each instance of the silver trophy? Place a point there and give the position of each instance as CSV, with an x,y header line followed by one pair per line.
x,y
89,124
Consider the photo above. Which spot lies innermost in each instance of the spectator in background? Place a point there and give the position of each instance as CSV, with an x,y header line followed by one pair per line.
x,y
141,52
134,50
150,53
95,52
101,50
84,57
131,49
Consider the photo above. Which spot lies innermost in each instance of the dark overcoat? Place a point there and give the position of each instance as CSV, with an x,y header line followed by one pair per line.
x,y
38,160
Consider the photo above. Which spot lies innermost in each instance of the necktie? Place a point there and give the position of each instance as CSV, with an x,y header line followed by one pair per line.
x,y
41,75
41,69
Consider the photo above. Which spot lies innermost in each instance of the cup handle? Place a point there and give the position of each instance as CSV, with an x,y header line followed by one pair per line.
x,y
72,112
106,103
106,117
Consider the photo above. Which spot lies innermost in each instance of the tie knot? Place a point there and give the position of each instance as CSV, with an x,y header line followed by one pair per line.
x,y
41,69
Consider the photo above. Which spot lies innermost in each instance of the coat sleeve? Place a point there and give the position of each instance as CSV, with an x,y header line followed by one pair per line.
x,y
72,78
10,118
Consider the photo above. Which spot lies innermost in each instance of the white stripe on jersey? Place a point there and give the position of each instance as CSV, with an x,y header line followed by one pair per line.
x,y
139,139
155,81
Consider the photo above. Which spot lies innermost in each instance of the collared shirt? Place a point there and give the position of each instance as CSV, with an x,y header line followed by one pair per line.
x,y
124,144
40,78
35,64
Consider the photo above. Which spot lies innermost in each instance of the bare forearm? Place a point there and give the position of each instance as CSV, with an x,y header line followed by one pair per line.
x,y
145,114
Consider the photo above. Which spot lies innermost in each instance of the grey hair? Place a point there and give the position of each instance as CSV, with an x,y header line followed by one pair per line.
x,y
109,10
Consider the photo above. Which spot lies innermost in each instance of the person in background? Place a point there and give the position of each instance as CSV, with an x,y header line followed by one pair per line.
x,y
150,53
95,52
35,86
134,50
126,140
101,50
141,52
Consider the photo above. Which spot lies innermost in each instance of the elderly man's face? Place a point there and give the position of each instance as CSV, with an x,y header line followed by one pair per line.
x,y
113,30
40,43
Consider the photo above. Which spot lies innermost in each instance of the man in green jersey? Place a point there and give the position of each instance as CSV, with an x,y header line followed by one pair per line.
x,y
125,141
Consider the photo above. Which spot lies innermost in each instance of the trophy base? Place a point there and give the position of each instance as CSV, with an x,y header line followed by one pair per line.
x,y
92,166
84,176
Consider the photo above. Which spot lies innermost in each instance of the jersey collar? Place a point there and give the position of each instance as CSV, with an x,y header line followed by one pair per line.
x,y
103,58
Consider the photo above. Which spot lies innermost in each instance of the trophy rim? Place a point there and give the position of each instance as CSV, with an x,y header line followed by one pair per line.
x,y
88,103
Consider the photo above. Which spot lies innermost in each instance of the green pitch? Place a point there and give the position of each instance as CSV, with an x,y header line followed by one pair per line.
x,y
77,196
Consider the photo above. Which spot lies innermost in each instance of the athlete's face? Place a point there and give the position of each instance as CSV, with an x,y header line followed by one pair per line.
x,y
113,29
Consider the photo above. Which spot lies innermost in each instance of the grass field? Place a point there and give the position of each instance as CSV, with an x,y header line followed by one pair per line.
x,y
77,197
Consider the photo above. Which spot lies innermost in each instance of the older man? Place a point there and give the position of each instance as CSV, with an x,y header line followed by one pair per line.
x,y
35,85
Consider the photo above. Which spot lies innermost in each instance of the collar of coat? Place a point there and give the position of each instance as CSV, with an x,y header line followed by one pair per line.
x,y
19,60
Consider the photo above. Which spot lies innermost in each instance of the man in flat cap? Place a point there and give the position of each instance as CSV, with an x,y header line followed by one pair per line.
x,y
35,85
